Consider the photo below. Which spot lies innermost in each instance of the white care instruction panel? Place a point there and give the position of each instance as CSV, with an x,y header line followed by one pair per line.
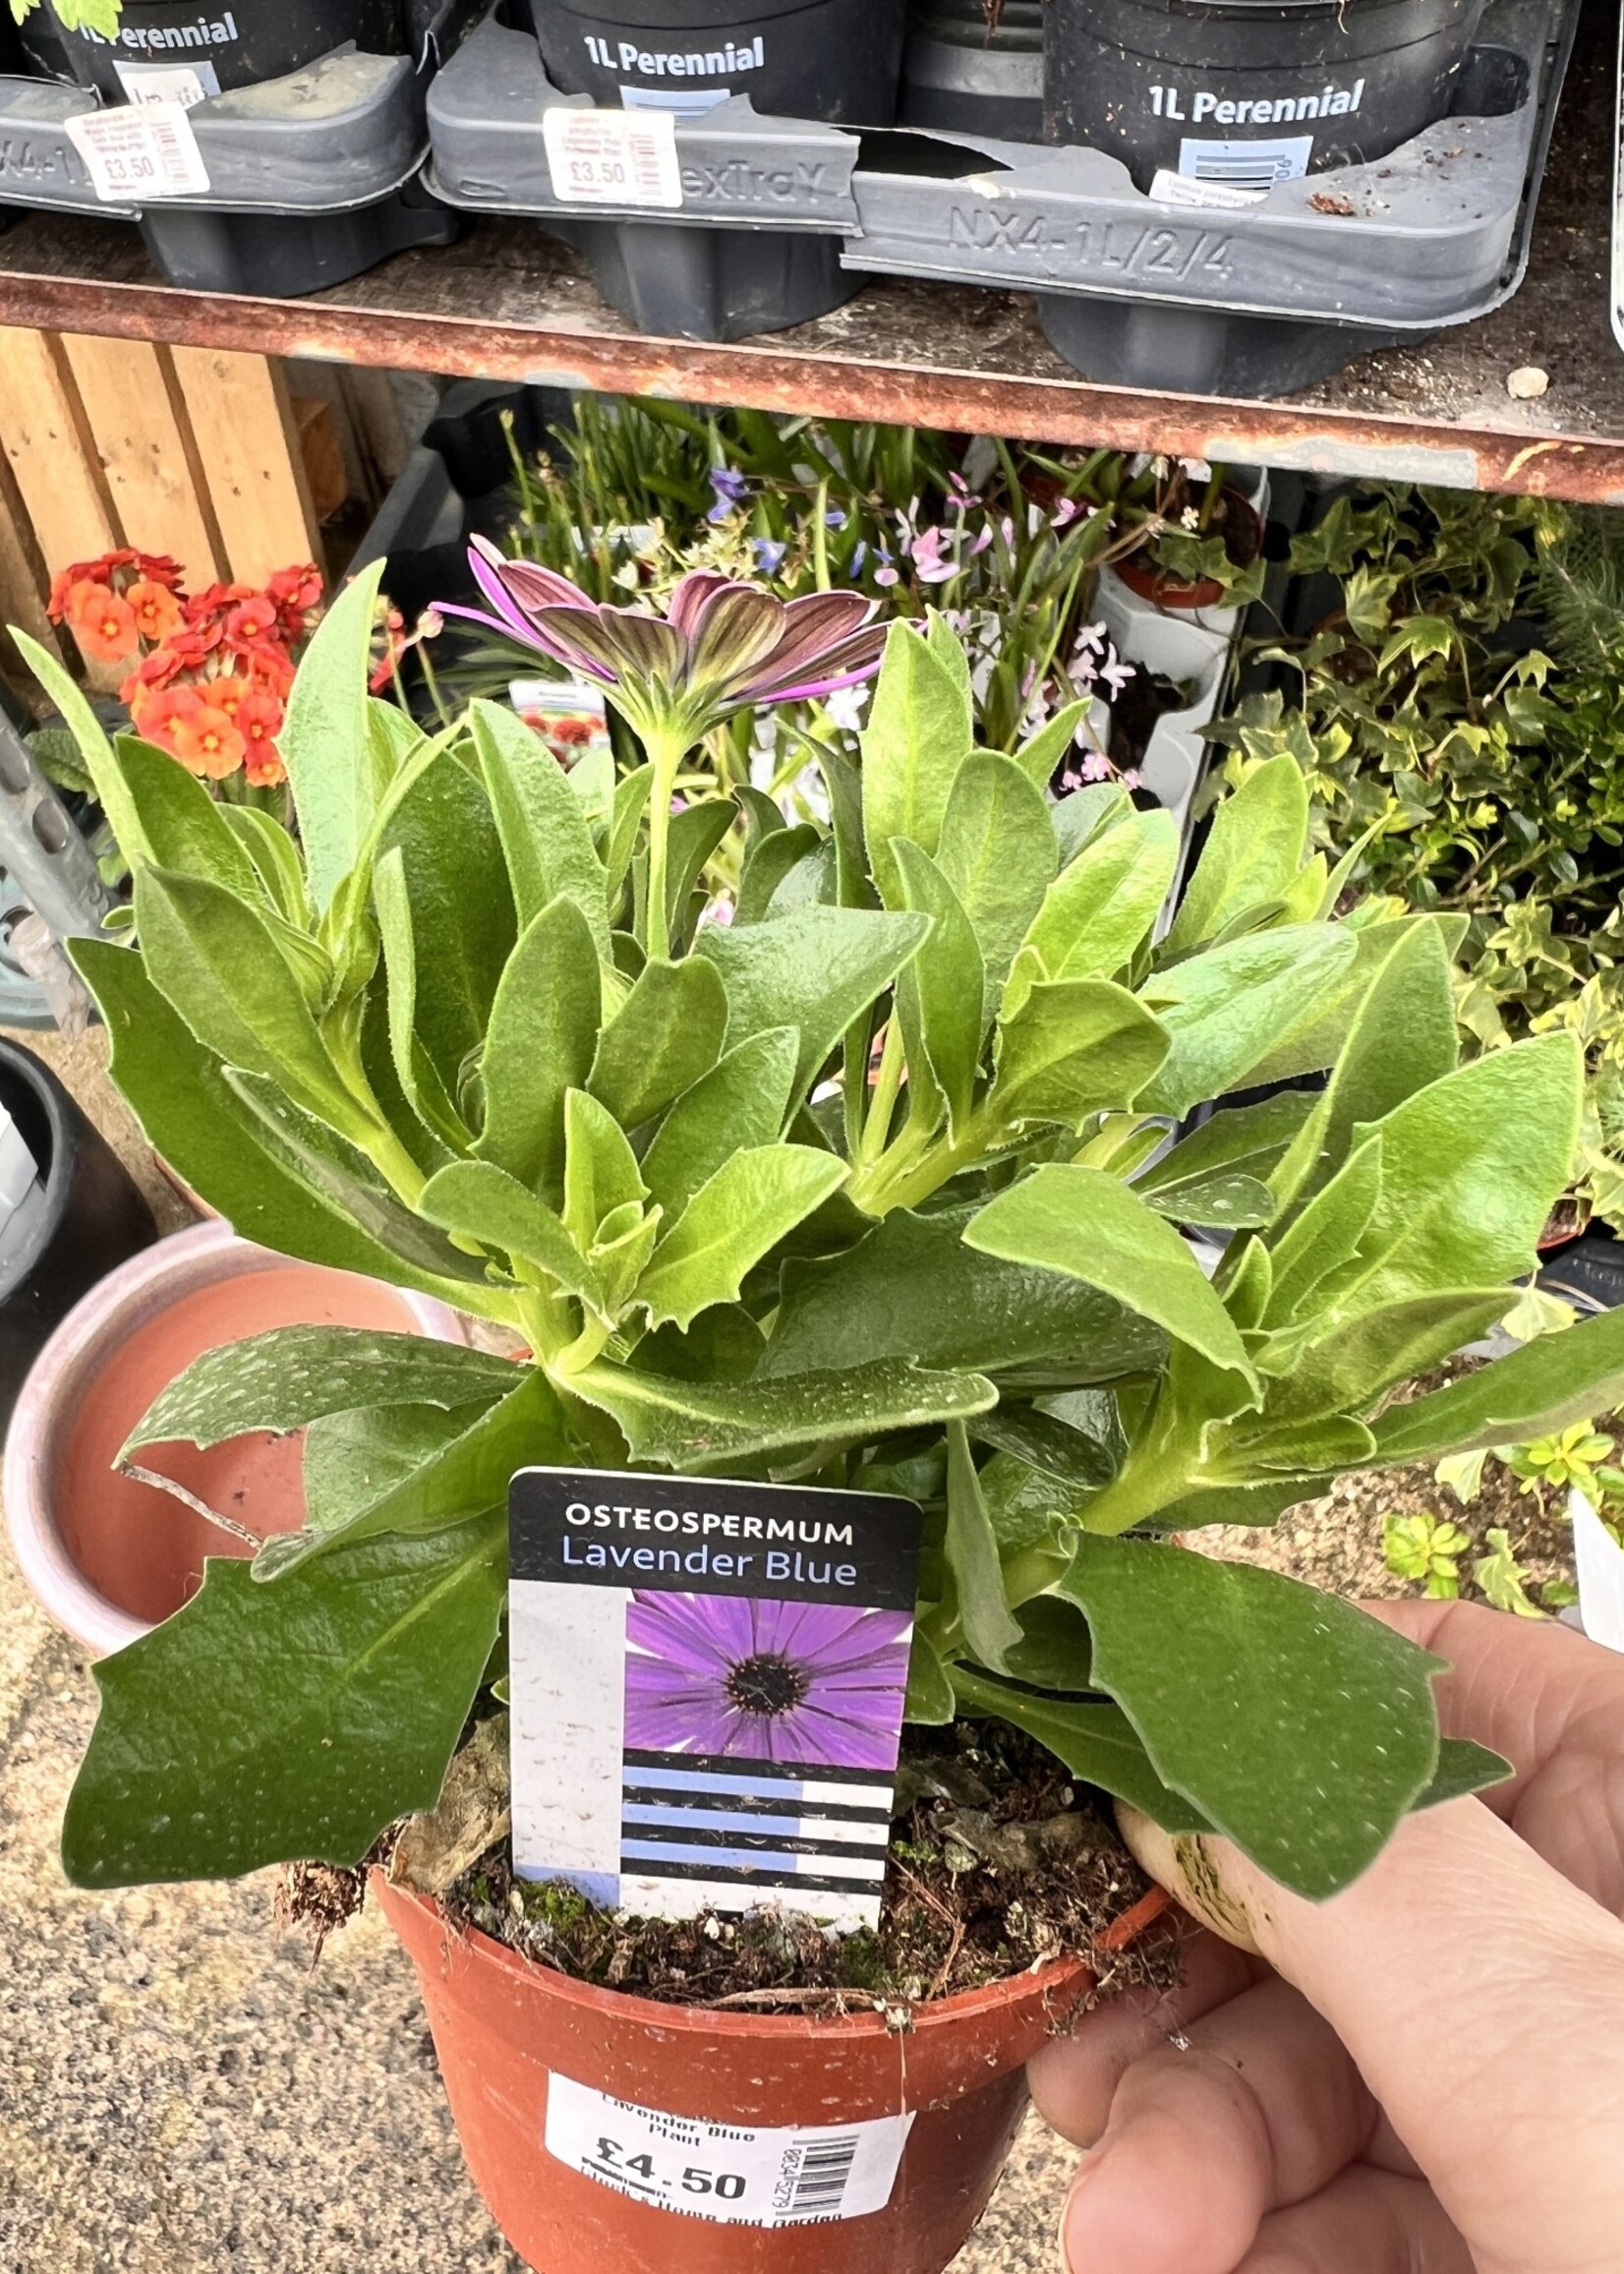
x,y
613,158
775,2176
140,152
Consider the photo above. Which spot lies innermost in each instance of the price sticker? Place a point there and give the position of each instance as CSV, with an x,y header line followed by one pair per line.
x,y
140,153
613,158
775,2176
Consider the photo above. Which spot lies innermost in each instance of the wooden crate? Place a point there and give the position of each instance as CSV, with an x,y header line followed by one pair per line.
x,y
194,452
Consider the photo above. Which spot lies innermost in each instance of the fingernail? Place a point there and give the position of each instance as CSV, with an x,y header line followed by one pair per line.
x,y
1081,2178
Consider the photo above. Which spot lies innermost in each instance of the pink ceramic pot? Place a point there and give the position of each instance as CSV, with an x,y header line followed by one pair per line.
x,y
107,1556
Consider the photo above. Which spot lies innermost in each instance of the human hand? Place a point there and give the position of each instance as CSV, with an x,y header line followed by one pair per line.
x,y
1424,2075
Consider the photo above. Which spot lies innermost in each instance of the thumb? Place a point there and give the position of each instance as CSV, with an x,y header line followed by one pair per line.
x,y
1480,1996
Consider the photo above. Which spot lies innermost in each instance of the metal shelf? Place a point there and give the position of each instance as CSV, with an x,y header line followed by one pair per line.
x,y
509,302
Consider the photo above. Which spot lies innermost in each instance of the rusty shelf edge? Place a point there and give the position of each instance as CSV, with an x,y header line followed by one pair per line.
x,y
772,377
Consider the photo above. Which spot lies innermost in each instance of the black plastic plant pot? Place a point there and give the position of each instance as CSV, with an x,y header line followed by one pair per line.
x,y
87,1217
962,74
687,282
224,46
834,60
284,255
1244,93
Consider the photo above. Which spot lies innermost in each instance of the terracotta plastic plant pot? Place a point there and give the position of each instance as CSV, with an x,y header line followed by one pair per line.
x,y
1166,590
503,2028
108,1556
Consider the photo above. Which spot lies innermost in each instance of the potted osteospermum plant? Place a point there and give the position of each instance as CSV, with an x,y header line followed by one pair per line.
x,y
868,1189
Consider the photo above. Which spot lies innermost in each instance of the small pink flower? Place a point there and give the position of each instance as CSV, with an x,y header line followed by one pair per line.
x,y
1091,639
1117,676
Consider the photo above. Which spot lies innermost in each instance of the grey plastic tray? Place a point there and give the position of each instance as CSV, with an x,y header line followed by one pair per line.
x,y
1255,300
739,170
345,132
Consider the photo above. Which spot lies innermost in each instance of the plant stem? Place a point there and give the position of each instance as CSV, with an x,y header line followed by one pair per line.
x,y
667,748
881,1103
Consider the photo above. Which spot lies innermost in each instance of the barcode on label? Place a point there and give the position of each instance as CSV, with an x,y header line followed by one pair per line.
x,y
613,158
1246,166
735,2174
139,152
821,2181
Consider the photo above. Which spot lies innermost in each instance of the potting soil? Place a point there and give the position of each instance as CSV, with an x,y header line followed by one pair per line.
x,y
999,1860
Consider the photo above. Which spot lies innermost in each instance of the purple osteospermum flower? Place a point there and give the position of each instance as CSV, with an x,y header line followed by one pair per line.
x,y
807,1683
721,646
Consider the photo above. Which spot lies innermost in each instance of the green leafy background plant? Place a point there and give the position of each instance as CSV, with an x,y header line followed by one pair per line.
x,y
1459,714
870,1185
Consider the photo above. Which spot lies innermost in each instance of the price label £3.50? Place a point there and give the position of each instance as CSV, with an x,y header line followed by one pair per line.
x,y
777,2176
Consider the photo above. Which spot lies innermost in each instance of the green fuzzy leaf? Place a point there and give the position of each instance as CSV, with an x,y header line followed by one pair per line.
x,y
1054,740
930,1693
1403,1037
1245,1140
291,1375
326,742
1100,907
462,911
695,834
1080,1448
1222,1201
1087,813
274,855
914,1289
920,733
1316,1042
631,797
417,1078
1225,1008
1257,842
998,851
683,1424
665,1037
1076,1047
1025,1506
771,859
601,1173
214,958
1318,1247
352,1459
814,971
736,1216
1080,1221
1301,1727
1544,1386
1096,1742
545,834
184,829
989,1627
208,1135
941,993
1463,1767
540,1045
112,790
346,1178
267,1726
1054,1652
1469,1167
742,1102
480,1202
462,1478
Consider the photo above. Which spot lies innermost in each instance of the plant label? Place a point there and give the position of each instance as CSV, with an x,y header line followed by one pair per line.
x,y
774,2176
187,84
707,1681
613,158
140,153
570,715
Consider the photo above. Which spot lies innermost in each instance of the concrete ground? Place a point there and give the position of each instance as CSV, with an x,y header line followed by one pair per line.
x,y
182,2094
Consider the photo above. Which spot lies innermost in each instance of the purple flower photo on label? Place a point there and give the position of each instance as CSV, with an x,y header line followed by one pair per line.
x,y
813,1683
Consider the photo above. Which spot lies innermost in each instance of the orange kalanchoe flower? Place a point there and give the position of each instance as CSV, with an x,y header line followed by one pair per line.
x,y
260,720
252,621
104,622
228,693
209,744
157,610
